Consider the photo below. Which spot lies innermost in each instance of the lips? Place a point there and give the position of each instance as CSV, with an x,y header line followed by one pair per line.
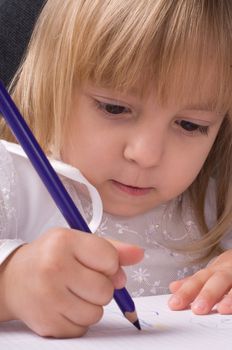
x,y
132,190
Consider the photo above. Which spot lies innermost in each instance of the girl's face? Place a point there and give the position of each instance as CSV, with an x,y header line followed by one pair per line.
x,y
137,153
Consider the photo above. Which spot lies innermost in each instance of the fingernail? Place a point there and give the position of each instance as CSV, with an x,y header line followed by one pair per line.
x,y
175,301
199,305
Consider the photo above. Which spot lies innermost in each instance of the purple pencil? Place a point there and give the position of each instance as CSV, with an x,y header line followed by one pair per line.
x,y
55,187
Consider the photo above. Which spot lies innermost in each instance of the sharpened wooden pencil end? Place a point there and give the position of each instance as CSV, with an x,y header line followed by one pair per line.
x,y
133,318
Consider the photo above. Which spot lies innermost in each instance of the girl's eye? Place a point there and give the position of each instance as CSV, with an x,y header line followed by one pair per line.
x,y
192,128
112,109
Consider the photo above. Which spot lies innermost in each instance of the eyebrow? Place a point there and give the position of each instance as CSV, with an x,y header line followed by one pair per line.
x,y
209,106
206,108
200,107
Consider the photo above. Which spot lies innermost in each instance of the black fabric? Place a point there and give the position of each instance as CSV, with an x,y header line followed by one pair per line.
x,y
17,19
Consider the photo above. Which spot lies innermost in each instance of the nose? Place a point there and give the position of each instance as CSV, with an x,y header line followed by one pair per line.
x,y
145,146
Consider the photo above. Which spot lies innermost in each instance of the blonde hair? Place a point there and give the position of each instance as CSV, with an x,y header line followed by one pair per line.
x,y
176,45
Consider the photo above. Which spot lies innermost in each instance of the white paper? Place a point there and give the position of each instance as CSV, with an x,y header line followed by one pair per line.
x,y
162,329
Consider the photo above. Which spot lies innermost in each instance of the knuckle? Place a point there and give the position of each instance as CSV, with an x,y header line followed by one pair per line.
x,y
58,238
224,274
52,252
206,293
202,275
185,295
49,266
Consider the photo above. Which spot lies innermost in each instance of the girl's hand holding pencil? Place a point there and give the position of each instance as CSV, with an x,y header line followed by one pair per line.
x,y
59,283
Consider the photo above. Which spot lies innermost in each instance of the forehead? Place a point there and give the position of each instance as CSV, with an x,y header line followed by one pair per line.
x,y
193,90
182,50
190,76
204,89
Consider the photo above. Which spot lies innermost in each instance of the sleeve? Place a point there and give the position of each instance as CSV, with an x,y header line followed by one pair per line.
x,y
27,209
9,240
7,246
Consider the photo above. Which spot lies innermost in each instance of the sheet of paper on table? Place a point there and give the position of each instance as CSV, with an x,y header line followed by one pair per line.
x,y
161,329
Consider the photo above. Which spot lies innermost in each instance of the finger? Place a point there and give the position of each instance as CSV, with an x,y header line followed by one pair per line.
x,y
119,279
80,312
175,285
225,306
91,286
90,250
213,291
96,253
59,327
128,254
106,255
189,290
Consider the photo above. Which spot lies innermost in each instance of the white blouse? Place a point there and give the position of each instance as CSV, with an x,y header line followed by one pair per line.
x,y
27,210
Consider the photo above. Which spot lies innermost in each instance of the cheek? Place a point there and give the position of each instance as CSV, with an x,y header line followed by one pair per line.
x,y
185,169
92,156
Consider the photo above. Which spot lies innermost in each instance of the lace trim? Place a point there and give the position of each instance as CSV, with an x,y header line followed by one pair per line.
x,y
8,209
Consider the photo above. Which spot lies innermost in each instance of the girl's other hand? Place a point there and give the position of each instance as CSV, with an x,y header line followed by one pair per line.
x,y
58,284
206,288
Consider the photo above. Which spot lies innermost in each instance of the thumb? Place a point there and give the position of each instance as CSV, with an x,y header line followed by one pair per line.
x,y
128,254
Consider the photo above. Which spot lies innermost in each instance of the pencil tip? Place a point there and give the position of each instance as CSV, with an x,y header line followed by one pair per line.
x,y
137,324
133,318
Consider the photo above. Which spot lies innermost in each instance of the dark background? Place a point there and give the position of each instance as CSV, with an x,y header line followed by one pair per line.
x,y
17,19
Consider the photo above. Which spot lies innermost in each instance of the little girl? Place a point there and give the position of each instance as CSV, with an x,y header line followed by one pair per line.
x,y
137,96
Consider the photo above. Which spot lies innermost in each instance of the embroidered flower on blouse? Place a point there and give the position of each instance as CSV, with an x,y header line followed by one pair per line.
x,y
183,273
187,271
103,228
140,275
122,229
8,209
156,288
137,293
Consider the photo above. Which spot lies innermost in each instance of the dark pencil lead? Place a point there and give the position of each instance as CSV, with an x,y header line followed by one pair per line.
x,y
137,325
